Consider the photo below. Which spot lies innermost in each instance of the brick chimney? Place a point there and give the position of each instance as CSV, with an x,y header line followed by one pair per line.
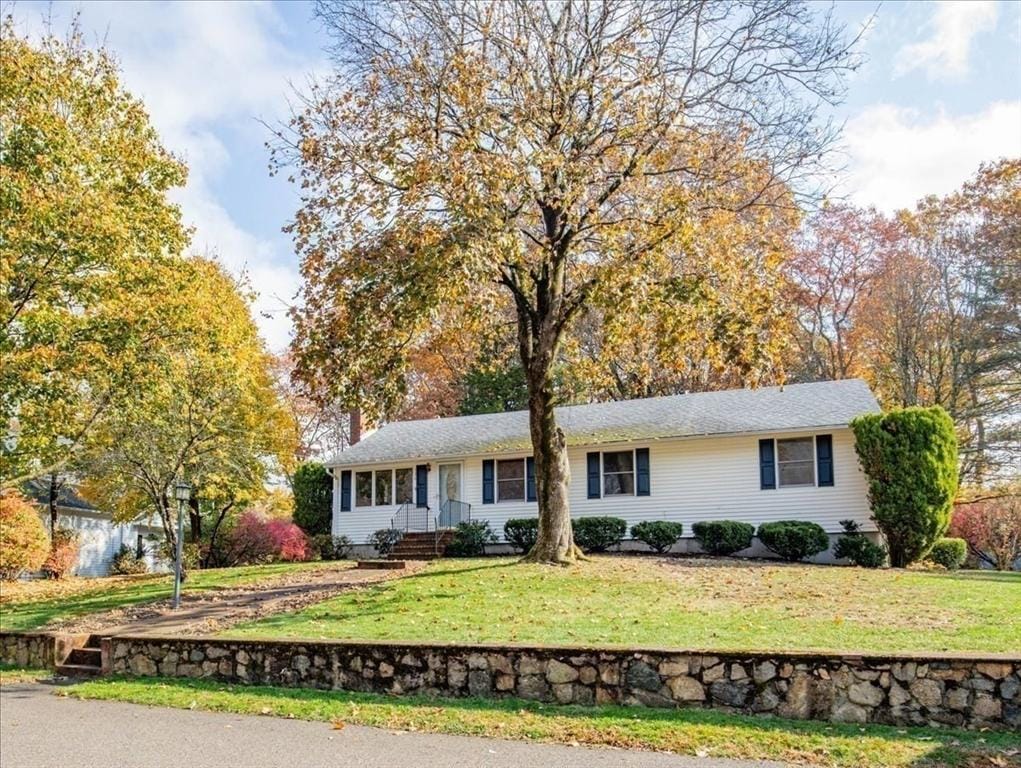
x,y
360,428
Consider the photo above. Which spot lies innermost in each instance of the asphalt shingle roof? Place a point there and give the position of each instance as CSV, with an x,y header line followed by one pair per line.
x,y
735,411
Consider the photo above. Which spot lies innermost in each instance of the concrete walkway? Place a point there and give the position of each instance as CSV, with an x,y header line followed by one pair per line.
x,y
211,611
40,730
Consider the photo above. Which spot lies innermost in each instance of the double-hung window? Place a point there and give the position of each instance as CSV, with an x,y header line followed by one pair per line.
x,y
510,480
795,461
619,473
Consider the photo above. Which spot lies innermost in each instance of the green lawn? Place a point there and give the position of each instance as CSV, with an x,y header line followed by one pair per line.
x,y
690,732
643,601
32,605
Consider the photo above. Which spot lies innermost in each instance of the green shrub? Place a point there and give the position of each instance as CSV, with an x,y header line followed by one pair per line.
x,y
521,532
470,539
313,498
854,546
723,537
910,459
126,562
598,534
384,540
794,540
330,547
23,541
950,553
658,535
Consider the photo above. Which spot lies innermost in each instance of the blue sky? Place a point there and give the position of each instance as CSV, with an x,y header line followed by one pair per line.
x,y
940,93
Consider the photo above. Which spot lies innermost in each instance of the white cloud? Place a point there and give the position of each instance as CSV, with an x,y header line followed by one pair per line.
x,y
897,156
953,26
206,73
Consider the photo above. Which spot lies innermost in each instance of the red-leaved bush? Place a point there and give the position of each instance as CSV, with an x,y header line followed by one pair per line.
x,y
291,542
250,541
992,529
63,554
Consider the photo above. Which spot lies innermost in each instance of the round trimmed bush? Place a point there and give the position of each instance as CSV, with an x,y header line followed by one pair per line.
x,y
723,537
598,534
521,532
384,540
470,539
23,541
950,553
658,535
794,540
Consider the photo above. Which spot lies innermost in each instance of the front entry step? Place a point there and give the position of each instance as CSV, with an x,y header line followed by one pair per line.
x,y
83,661
421,546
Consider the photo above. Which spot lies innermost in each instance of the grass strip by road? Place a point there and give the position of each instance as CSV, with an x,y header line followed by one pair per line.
x,y
11,674
676,603
688,732
32,605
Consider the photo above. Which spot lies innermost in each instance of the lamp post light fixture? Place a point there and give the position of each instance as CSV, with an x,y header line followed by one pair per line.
x,y
182,492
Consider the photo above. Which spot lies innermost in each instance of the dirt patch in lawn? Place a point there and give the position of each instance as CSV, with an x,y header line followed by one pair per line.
x,y
215,610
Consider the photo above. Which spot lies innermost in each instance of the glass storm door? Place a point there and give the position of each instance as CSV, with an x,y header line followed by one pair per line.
x,y
450,483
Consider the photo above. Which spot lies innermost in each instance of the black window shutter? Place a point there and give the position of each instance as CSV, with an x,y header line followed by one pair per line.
x,y
422,485
593,475
642,472
530,475
767,465
824,458
488,496
345,491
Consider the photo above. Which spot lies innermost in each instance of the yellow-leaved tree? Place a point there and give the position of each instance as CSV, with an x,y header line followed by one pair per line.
x,y
89,246
215,419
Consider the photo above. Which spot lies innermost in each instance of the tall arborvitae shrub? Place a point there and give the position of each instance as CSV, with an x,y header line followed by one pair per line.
x,y
910,459
313,498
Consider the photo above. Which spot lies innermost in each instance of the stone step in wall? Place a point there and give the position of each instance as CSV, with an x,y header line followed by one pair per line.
x,y
951,690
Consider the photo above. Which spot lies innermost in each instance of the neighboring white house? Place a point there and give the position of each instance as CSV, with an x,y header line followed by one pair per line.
x,y
754,455
100,538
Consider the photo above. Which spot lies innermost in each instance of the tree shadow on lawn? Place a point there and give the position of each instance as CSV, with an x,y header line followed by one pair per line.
x,y
428,574
612,725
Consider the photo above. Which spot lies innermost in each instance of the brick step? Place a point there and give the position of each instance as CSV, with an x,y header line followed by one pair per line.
x,y
79,670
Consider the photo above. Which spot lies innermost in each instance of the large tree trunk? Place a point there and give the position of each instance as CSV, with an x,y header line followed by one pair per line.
x,y
54,492
194,519
555,542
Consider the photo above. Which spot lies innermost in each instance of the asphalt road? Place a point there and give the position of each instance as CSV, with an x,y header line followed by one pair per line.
x,y
40,730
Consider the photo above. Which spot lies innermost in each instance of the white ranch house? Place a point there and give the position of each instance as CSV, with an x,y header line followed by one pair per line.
x,y
773,453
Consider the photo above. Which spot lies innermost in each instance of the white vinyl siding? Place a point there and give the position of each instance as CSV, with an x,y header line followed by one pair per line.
x,y
100,539
706,478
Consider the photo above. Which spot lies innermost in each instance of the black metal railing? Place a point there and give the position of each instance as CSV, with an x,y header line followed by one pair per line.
x,y
453,512
411,519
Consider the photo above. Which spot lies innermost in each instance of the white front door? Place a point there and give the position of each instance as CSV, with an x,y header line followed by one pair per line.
x,y
450,483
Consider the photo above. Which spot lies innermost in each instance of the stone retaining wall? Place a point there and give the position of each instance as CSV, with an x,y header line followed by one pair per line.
x,y
37,650
975,692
